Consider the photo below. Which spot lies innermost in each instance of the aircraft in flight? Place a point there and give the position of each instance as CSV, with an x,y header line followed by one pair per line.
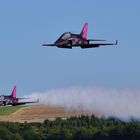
x,y
13,100
69,40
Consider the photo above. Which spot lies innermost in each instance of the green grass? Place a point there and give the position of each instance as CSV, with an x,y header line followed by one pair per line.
x,y
9,109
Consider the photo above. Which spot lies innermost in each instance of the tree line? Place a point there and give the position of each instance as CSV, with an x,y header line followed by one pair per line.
x,y
73,128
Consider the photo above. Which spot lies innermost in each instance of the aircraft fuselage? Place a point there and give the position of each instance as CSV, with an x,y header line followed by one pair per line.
x,y
68,39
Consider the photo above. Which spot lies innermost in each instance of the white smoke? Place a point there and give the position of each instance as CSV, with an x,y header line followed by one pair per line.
x,y
122,103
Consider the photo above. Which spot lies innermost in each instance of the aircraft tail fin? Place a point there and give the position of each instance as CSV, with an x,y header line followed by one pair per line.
x,y
84,31
14,92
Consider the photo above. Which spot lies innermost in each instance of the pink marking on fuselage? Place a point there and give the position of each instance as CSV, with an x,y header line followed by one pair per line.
x,y
14,100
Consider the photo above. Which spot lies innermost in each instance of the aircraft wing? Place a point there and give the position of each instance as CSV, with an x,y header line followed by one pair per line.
x,y
83,46
94,45
59,46
45,44
23,103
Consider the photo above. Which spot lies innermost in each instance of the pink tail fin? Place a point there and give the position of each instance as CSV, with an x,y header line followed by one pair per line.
x,y
14,92
84,31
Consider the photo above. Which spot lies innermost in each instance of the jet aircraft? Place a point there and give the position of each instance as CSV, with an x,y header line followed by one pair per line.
x,y
69,40
13,100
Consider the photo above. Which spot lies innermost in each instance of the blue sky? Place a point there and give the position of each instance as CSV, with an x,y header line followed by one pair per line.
x,y
25,25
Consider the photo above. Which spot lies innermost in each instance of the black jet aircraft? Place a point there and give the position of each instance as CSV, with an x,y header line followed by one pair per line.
x,y
69,40
13,100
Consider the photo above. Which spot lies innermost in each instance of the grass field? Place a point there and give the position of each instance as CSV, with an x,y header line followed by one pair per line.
x,y
9,109
35,113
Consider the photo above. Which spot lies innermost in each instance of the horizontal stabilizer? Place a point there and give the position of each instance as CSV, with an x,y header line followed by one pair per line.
x,y
94,45
95,40
22,98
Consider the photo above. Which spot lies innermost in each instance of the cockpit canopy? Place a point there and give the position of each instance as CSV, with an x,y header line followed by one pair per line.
x,y
66,35
1,97
63,37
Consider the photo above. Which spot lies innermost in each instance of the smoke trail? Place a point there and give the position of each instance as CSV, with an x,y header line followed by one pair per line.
x,y
108,101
